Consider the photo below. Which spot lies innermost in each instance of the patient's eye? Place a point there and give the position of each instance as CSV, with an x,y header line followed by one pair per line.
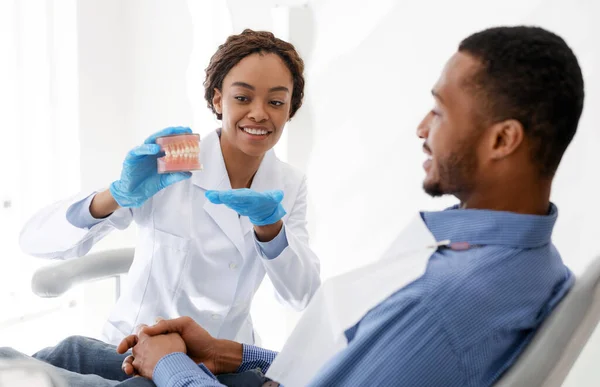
x,y
277,103
242,98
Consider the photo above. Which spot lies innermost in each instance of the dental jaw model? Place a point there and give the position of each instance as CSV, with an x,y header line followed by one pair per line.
x,y
182,153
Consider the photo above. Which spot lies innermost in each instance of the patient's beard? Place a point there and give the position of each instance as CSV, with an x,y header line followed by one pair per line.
x,y
456,174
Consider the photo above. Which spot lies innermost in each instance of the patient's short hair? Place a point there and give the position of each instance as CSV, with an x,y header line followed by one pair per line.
x,y
237,47
529,74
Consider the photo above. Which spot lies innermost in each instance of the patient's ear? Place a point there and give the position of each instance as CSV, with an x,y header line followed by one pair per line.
x,y
505,138
217,101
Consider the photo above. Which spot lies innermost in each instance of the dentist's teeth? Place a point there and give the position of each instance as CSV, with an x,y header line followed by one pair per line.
x,y
257,132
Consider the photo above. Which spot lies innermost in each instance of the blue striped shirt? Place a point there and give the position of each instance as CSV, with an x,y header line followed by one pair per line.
x,y
463,323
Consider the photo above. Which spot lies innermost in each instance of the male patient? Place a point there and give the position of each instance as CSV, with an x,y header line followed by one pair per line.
x,y
507,105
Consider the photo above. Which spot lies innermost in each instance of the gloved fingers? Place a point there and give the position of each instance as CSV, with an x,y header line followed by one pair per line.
x,y
172,178
251,198
239,197
213,196
142,150
167,132
276,195
243,197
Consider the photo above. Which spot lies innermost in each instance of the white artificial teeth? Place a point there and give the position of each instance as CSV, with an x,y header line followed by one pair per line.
x,y
186,150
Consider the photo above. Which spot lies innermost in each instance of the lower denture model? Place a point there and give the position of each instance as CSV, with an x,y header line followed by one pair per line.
x,y
182,153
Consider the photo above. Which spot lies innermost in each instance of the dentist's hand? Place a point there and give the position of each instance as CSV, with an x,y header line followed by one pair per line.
x,y
262,208
140,179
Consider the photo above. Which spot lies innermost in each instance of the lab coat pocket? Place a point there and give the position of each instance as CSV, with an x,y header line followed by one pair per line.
x,y
170,257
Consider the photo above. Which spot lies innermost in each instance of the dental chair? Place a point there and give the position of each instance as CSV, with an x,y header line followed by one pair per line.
x,y
545,362
55,279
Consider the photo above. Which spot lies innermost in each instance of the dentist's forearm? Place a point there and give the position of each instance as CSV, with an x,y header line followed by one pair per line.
x,y
103,204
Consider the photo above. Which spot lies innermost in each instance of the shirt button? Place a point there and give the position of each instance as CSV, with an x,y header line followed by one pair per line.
x,y
216,317
233,266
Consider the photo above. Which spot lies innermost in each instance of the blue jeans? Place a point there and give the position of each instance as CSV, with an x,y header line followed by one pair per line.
x,y
84,356
82,361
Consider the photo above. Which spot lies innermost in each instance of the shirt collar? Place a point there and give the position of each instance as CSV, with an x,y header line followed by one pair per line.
x,y
487,227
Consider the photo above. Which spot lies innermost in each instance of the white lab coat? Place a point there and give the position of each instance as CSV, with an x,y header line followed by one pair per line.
x,y
193,258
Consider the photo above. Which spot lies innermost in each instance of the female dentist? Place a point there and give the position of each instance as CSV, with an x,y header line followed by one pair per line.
x,y
205,240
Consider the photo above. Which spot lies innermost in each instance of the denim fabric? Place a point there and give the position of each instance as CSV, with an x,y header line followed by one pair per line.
x,y
85,362
84,356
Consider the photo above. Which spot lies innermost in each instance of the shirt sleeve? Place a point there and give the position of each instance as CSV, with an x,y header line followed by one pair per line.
x,y
178,370
78,214
395,346
256,357
273,248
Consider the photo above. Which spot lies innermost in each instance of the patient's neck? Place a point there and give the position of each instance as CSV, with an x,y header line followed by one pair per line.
x,y
522,196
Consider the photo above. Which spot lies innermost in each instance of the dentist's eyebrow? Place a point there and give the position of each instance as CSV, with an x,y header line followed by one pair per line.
x,y
250,87
244,85
279,88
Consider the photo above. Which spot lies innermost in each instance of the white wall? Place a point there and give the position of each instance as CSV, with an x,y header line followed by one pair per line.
x,y
133,57
38,110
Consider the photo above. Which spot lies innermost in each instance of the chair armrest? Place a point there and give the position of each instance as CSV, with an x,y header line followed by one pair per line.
x,y
55,279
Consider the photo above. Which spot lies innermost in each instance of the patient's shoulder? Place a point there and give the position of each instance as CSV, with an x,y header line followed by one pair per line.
x,y
493,289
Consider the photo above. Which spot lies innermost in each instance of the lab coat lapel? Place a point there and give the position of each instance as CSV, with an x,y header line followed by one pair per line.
x,y
214,177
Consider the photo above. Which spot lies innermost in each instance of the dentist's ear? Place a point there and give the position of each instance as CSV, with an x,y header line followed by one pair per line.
x,y
217,101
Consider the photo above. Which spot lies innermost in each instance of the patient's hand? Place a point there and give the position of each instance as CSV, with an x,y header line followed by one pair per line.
x,y
219,356
148,350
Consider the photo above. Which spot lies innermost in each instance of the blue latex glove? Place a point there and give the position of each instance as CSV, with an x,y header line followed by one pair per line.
x,y
263,208
140,179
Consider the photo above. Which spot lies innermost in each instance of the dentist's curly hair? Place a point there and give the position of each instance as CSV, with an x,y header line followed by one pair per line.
x,y
249,42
